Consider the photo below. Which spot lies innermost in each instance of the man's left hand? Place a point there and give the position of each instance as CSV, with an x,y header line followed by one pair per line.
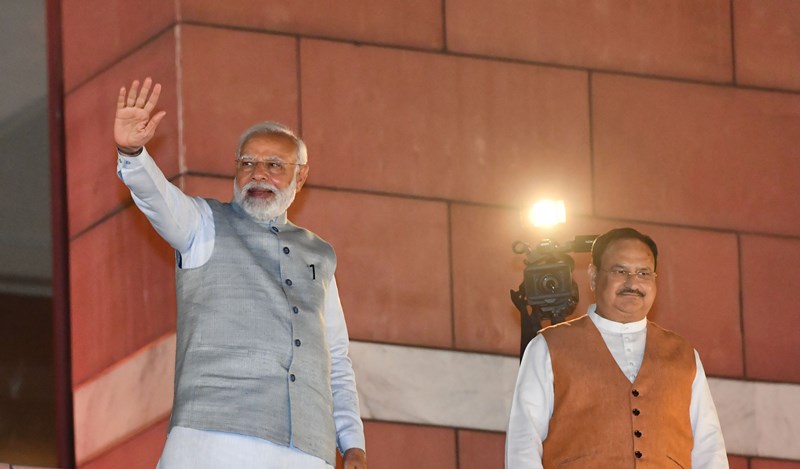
x,y
355,458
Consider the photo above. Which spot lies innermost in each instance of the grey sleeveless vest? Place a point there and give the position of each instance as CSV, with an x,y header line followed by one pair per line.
x,y
252,357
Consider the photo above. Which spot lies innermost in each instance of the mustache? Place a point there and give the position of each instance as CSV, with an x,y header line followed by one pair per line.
x,y
259,185
626,290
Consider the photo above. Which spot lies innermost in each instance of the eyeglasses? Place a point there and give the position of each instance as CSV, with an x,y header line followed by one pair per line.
x,y
273,167
641,275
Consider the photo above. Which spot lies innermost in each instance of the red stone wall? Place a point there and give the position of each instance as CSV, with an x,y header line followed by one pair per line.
x,y
429,124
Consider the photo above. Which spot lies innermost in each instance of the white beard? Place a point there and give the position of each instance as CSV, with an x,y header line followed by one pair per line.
x,y
261,209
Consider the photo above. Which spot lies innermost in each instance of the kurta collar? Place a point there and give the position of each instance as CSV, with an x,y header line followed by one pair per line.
x,y
606,325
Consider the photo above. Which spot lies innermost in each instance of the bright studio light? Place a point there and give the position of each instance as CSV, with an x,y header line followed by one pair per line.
x,y
547,213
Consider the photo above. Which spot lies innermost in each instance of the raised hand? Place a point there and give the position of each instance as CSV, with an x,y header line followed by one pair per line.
x,y
133,126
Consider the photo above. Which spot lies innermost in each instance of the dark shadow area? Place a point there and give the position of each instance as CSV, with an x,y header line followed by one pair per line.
x,y
28,431
27,400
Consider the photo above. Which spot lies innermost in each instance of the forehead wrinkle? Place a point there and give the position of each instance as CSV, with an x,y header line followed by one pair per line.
x,y
626,266
269,158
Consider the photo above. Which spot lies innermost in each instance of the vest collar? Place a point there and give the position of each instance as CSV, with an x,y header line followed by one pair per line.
x,y
607,325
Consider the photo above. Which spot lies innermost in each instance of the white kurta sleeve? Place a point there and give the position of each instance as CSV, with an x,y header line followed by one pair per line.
x,y
186,223
531,408
346,414
709,447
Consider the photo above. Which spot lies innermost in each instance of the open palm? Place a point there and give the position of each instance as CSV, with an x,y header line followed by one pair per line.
x,y
133,124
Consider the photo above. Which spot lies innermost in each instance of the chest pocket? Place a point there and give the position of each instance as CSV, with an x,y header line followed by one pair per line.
x,y
309,277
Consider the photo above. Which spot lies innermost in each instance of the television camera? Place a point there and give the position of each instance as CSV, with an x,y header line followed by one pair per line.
x,y
547,291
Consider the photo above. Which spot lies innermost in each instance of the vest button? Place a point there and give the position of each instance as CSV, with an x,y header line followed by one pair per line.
x,y
636,412
295,309
297,342
288,282
286,250
637,434
292,378
638,454
635,393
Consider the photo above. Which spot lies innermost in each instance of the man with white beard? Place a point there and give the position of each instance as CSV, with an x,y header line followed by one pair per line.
x,y
262,376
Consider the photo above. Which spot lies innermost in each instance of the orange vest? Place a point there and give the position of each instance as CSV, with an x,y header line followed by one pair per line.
x,y
601,420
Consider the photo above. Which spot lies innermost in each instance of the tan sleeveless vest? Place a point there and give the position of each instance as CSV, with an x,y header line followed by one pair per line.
x,y
600,419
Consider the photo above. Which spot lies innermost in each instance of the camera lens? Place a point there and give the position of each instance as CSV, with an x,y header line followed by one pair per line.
x,y
550,283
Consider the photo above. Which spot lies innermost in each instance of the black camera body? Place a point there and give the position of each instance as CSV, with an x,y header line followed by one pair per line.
x,y
547,292
548,283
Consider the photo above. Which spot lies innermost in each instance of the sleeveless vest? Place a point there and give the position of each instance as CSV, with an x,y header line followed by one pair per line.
x,y
252,356
602,420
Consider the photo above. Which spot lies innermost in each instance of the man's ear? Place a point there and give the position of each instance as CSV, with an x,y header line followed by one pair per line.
x,y
592,270
302,175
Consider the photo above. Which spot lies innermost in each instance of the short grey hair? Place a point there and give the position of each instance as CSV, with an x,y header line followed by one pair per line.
x,y
273,128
